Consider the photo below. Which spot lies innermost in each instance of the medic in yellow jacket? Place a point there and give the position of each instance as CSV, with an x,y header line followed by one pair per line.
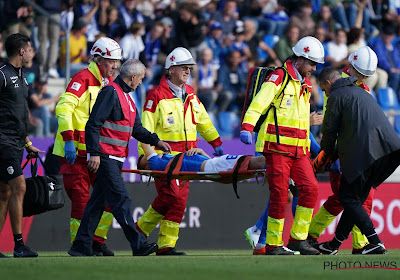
x,y
74,108
292,112
175,114
283,139
73,112
176,122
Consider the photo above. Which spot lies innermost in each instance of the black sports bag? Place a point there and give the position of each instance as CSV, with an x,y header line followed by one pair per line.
x,y
43,193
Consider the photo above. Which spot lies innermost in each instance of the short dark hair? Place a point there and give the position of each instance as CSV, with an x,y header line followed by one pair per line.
x,y
328,73
136,26
15,42
187,6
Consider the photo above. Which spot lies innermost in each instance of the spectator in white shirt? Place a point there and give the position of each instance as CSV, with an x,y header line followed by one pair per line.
x,y
132,43
338,50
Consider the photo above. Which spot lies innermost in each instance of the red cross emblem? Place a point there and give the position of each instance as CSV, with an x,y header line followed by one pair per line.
x,y
306,49
355,57
172,58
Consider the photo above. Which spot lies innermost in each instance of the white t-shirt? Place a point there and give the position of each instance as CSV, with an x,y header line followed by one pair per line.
x,y
337,52
131,46
223,163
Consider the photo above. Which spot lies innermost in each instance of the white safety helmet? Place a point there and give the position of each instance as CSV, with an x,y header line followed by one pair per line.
x,y
310,48
179,56
107,48
364,60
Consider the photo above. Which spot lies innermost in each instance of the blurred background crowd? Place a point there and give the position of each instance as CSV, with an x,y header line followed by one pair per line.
x,y
226,37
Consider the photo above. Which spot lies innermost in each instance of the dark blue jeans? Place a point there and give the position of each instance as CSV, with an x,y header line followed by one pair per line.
x,y
108,189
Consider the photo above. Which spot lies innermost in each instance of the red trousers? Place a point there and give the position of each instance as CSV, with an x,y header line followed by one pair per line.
x,y
171,199
77,181
332,204
279,169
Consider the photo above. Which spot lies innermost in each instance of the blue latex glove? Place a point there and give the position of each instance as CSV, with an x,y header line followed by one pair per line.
x,y
70,152
245,137
219,151
335,167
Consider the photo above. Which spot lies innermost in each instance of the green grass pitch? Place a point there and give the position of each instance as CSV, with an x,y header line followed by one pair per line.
x,y
217,264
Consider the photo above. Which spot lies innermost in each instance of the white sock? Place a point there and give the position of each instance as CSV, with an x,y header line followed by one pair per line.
x,y
255,230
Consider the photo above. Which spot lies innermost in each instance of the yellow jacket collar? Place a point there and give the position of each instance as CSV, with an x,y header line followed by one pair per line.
x,y
289,67
94,69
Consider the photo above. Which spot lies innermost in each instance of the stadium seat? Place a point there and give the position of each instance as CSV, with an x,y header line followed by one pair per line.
x,y
387,99
270,40
396,124
229,124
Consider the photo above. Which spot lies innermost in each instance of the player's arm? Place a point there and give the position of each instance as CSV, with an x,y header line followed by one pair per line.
x,y
147,149
197,151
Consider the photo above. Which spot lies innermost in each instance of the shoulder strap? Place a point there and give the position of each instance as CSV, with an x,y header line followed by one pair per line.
x,y
29,157
235,173
277,96
284,83
174,166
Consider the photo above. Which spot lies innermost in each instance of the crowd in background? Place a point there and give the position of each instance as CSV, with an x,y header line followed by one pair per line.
x,y
226,37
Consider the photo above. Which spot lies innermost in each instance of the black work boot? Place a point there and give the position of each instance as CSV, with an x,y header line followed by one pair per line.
x,y
102,248
170,252
303,247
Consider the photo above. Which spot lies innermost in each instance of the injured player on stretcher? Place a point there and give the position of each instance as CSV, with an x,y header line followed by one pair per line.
x,y
196,160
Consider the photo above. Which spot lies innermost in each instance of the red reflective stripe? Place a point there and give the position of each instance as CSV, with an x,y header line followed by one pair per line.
x,y
289,150
190,97
82,153
186,105
288,131
67,135
114,150
181,146
107,132
79,136
247,127
216,143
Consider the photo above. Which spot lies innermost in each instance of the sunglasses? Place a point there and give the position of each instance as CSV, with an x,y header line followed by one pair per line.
x,y
185,68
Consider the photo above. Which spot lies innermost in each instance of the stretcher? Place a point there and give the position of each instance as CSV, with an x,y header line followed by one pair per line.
x,y
172,171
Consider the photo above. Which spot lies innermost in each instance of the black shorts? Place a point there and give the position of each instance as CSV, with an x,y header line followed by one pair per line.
x,y
10,162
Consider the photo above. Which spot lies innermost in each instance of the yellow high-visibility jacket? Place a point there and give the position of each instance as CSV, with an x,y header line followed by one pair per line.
x,y
74,108
292,112
176,122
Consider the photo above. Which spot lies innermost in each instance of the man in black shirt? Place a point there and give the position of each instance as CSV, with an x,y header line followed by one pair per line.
x,y
14,120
